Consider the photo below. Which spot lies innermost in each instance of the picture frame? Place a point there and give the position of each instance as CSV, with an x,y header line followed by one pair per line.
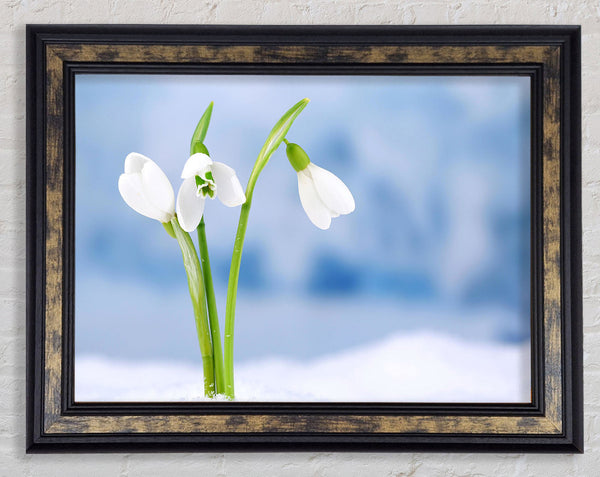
x,y
548,55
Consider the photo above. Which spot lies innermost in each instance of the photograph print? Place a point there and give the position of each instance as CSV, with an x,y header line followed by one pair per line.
x,y
296,238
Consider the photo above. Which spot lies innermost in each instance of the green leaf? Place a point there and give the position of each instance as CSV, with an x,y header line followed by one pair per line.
x,y
195,279
275,138
201,128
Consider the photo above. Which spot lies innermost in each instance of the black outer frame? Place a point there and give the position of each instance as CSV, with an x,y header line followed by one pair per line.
x,y
571,440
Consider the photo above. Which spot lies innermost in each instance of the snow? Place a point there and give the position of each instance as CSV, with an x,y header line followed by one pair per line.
x,y
416,367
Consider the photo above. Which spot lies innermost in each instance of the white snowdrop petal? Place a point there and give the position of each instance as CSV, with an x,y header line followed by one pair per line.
x,y
134,162
190,207
332,191
158,189
132,191
317,211
195,164
229,189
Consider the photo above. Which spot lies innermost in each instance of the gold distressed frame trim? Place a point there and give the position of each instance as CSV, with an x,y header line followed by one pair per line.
x,y
551,423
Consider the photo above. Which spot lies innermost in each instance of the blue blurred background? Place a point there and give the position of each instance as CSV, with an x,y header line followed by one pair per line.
x,y
439,168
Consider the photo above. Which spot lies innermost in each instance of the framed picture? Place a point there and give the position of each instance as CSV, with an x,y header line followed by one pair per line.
x,y
387,220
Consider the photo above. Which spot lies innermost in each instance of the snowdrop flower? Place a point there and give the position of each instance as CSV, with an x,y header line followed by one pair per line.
x,y
146,189
322,194
204,178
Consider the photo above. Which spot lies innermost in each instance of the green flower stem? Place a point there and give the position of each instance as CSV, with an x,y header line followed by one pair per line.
x,y
234,274
198,296
212,309
274,139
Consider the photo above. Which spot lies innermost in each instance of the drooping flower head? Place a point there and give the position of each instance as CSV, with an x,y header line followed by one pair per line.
x,y
146,189
204,179
322,194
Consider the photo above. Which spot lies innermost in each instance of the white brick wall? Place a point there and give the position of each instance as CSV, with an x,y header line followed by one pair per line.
x,y
14,14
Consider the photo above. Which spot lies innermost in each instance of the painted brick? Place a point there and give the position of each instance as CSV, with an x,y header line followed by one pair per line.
x,y
14,14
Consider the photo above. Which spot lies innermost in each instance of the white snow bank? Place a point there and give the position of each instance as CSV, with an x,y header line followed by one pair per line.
x,y
418,367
